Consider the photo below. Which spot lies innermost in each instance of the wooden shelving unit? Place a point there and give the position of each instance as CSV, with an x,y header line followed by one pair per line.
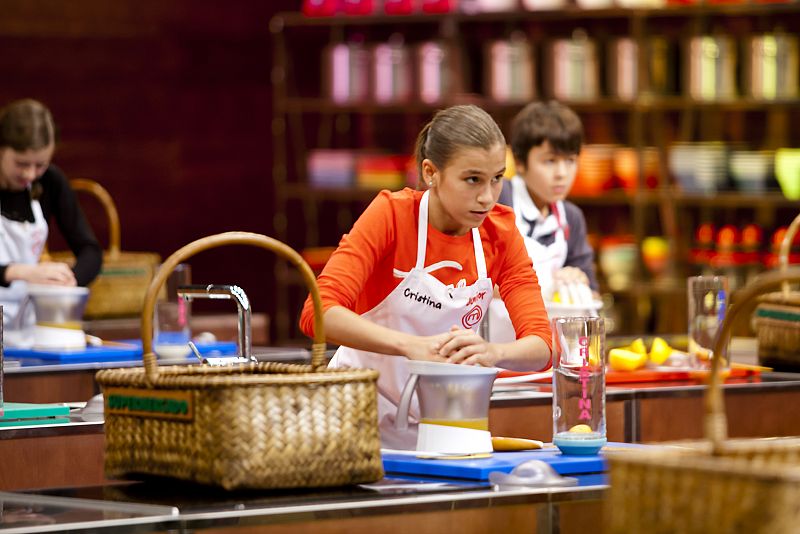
x,y
305,119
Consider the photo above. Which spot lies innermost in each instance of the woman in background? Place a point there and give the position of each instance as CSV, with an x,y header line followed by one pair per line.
x,y
414,277
32,191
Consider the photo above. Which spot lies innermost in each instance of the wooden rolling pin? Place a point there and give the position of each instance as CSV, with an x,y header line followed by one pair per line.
x,y
515,444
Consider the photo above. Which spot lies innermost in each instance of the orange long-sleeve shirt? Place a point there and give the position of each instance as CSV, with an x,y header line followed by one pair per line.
x,y
359,274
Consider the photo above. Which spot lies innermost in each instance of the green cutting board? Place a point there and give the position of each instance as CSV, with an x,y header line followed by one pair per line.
x,y
24,410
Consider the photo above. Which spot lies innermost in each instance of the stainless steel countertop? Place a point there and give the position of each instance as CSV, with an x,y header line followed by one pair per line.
x,y
168,504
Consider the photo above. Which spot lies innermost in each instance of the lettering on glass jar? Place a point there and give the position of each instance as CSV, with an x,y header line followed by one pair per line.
x,y
585,403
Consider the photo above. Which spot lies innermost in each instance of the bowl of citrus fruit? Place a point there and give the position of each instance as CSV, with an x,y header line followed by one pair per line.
x,y
637,356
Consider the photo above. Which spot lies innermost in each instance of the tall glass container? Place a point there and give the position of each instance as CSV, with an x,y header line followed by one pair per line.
x,y
579,384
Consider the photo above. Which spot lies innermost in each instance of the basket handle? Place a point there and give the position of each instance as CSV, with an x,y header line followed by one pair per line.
x,y
100,192
716,425
214,241
786,247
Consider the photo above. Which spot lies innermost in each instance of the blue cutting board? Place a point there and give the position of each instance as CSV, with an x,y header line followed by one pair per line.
x,y
500,461
107,353
89,354
222,348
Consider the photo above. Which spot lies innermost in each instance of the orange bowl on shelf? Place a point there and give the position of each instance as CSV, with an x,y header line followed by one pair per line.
x,y
626,167
595,170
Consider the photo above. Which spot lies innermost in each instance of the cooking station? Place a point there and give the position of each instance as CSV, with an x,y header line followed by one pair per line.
x,y
645,412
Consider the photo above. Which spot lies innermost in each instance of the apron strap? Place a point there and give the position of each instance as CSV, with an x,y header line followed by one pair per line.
x,y
422,230
480,259
561,218
422,240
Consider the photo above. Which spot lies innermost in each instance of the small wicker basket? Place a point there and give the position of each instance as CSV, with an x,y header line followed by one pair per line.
x,y
714,486
255,425
777,317
118,291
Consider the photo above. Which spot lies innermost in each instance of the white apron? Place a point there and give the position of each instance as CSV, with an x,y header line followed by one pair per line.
x,y
546,259
424,306
20,242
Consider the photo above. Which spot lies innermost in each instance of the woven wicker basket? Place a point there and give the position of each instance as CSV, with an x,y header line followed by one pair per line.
x,y
777,317
255,425
715,486
118,291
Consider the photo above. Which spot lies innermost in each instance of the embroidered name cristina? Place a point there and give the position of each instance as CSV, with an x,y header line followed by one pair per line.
x,y
425,299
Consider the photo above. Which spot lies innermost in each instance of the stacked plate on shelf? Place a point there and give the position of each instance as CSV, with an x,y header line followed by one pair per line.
x,y
699,167
750,169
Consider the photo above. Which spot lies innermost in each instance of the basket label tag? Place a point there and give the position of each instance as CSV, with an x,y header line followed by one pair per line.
x,y
150,403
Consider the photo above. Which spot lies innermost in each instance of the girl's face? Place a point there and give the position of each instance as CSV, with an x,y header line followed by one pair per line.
x,y
19,169
466,189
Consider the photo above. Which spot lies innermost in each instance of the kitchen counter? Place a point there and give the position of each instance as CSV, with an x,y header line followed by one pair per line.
x,y
756,406
391,505
72,453
45,455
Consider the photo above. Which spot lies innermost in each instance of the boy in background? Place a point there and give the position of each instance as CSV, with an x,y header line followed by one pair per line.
x,y
546,139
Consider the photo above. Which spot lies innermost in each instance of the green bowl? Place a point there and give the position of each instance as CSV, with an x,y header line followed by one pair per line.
x,y
787,171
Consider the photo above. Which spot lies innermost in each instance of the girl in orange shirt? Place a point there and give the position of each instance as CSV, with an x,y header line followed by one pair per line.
x,y
414,277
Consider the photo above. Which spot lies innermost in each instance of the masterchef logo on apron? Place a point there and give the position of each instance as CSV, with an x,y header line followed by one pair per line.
x,y
472,318
474,315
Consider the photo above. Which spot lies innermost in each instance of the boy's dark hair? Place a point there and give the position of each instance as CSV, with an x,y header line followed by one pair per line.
x,y
546,121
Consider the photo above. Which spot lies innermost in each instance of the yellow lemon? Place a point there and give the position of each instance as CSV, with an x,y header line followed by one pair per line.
x,y
581,429
626,360
557,297
594,358
638,346
660,351
699,352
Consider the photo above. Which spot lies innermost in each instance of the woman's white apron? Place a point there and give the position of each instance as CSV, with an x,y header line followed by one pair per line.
x,y
20,242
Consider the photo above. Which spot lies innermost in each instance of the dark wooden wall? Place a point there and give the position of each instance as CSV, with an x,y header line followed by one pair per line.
x,y
167,103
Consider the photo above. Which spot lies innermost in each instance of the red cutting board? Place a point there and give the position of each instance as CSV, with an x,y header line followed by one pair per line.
x,y
652,375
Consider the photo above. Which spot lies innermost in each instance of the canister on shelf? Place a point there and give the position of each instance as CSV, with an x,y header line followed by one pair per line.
x,y
572,68
438,71
509,72
624,81
346,73
711,65
771,66
391,68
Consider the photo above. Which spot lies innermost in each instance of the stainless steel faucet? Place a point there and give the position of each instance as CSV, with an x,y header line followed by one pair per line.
x,y
215,291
